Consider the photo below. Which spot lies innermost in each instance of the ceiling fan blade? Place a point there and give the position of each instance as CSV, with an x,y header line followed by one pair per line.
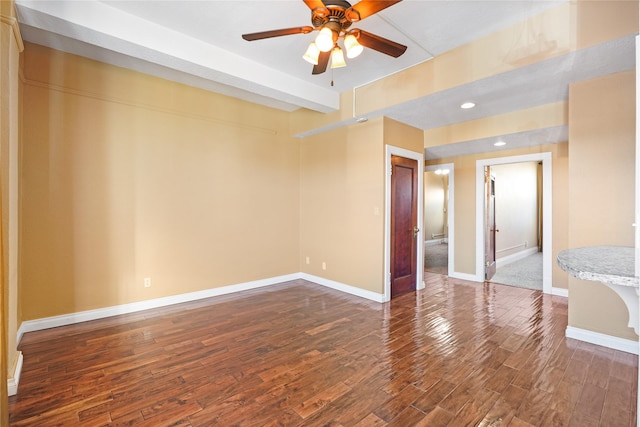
x,y
323,61
314,4
367,8
276,33
380,44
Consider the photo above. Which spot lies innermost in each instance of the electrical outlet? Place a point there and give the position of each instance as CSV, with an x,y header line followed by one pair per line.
x,y
308,260
147,282
324,265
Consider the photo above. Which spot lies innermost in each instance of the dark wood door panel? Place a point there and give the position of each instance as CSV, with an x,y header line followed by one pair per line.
x,y
404,219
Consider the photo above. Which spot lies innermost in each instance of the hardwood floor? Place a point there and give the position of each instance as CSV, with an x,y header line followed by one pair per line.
x,y
455,354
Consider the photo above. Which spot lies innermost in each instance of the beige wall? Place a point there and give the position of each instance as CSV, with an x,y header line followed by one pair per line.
x,y
465,209
342,205
342,200
10,47
125,176
435,198
601,196
560,214
402,136
539,117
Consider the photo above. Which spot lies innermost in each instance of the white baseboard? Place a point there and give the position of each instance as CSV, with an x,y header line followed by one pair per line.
x,y
501,262
604,340
433,242
373,296
12,383
100,313
561,292
465,276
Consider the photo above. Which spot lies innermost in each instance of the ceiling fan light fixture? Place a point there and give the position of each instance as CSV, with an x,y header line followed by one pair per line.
x,y
325,40
352,46
312,54
332,19
337,58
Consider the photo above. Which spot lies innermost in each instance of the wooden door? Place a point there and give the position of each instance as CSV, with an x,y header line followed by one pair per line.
x,y
490,224
404,224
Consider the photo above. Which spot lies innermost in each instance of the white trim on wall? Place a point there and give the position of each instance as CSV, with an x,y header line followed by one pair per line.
x,y
450,214
547,216
465,276
101,313
604,340
12,383
391,150
561,292
506,260
342,287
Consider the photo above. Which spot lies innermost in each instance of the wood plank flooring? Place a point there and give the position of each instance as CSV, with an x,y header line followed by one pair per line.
x,y
299,354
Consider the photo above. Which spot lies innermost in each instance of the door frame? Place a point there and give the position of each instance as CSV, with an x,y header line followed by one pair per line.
x,y
547,198
490,261
391,150
450,214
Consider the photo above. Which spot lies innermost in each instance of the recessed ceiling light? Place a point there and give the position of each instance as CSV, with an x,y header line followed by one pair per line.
x,y
500,143
467,105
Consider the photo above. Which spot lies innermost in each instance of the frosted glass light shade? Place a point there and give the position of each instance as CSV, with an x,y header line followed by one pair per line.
x,y
324,41
337,58
352,46
312,54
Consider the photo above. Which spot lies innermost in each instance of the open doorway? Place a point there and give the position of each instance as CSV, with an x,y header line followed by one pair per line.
x,y
516,226
534,235
438,219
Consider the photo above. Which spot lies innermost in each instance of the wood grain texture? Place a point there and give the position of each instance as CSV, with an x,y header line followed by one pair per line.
x,y
298,354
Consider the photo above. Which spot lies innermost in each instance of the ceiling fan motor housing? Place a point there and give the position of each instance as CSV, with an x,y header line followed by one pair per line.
x,y
337,15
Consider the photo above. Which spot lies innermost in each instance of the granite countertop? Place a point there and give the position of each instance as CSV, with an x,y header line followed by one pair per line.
x,y
614,265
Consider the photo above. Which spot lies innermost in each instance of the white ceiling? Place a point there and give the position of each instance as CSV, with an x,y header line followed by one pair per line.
x,y
199,43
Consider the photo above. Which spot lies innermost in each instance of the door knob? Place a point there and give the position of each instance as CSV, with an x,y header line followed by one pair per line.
x,y
416,230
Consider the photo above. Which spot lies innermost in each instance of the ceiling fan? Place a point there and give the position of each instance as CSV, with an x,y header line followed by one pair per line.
x,y
333,19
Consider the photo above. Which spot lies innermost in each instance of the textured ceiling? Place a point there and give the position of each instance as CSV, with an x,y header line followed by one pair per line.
x,y
199,43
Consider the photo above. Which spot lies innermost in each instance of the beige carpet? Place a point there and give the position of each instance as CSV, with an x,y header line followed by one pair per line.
x,y
525,273
436,258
